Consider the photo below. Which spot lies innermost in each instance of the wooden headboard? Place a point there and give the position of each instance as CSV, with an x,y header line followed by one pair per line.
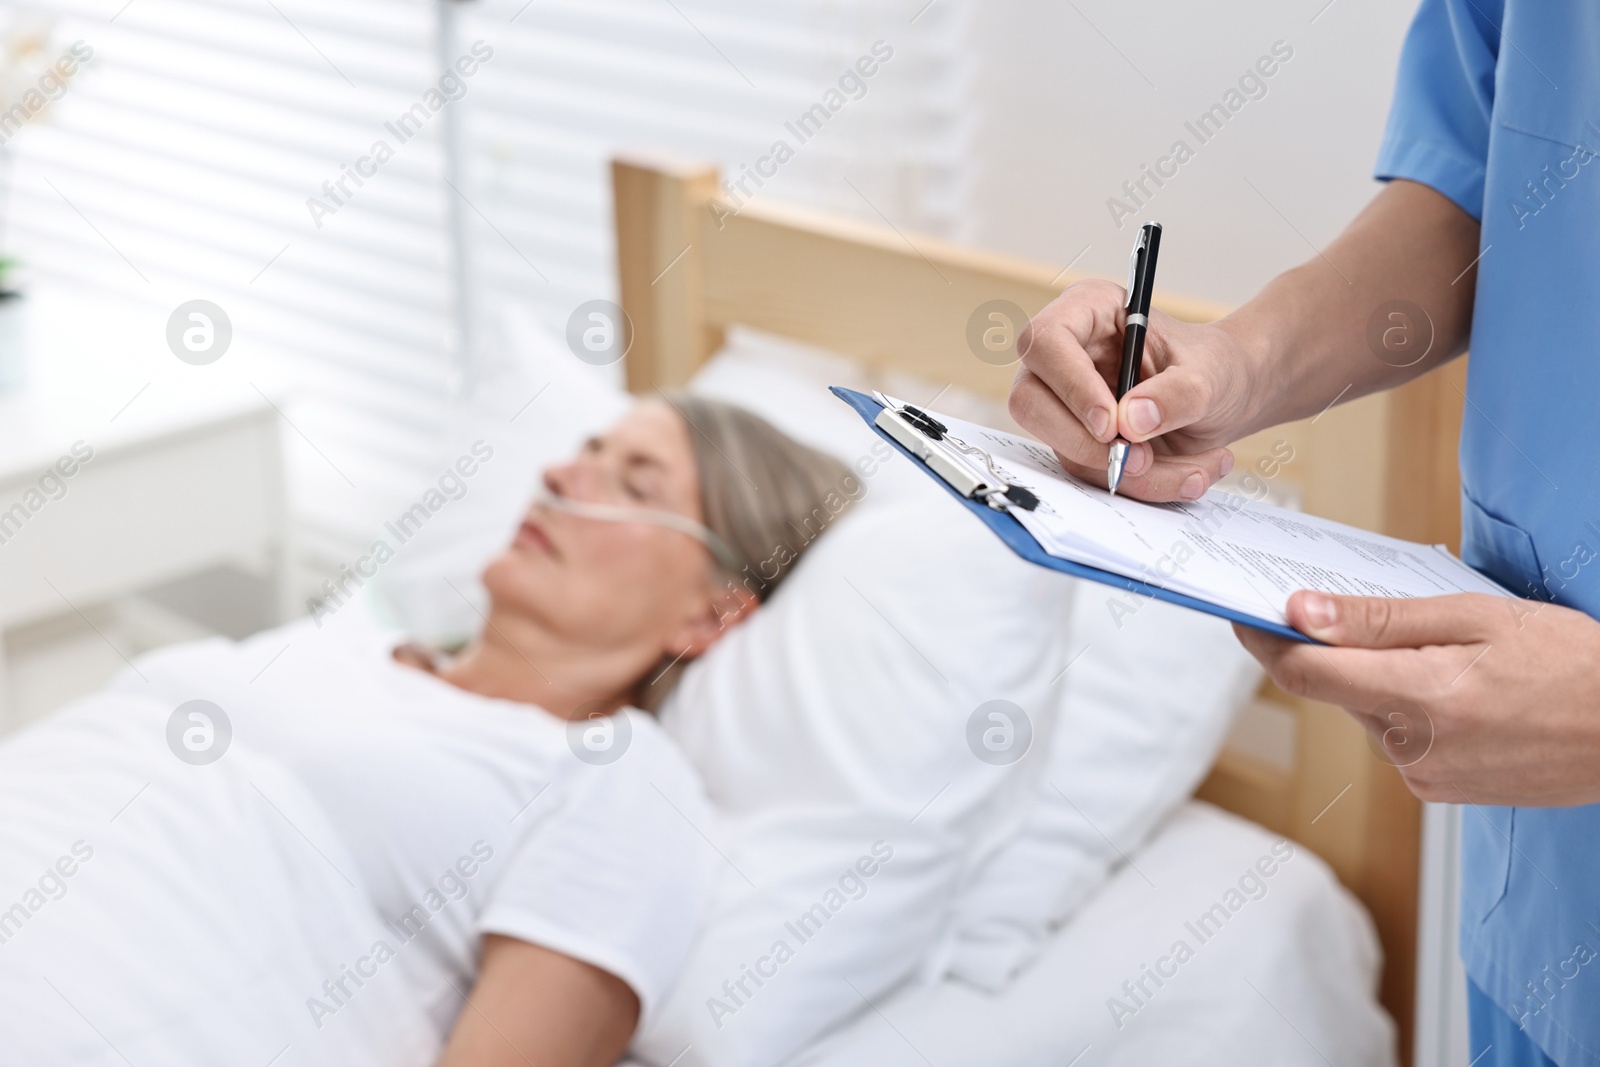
x,y
690,264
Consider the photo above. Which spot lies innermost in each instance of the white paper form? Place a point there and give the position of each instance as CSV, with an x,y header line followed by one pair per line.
x,y
1223,548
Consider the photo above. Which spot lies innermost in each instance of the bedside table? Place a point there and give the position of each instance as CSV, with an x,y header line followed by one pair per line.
x,y
122,467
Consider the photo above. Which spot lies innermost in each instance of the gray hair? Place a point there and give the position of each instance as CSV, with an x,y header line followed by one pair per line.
x,y
766,495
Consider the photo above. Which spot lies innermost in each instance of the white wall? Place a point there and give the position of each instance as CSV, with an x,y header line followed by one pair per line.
x,y
1064,120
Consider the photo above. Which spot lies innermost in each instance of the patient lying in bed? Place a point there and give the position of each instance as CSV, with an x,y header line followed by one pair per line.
x,y
191,861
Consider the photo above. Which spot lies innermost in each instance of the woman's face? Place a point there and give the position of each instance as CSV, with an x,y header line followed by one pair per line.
x,y
637,589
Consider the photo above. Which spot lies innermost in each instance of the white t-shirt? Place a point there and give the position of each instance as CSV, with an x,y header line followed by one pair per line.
x,y
454,814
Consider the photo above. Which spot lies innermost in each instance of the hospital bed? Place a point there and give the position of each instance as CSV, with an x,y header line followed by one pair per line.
x,y
692,266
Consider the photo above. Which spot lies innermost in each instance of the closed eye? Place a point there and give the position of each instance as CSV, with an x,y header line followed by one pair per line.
x,y
642,480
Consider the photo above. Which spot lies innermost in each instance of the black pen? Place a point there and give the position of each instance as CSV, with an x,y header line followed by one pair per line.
x,y
1141,280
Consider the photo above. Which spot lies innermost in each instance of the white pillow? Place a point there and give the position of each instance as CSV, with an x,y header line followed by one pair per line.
x,y
848,714
1144,710
1144,706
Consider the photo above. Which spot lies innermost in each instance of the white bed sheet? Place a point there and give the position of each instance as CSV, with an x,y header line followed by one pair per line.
x,y
1289,978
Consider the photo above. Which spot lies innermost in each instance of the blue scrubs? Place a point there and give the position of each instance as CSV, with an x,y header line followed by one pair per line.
x,y
1498,108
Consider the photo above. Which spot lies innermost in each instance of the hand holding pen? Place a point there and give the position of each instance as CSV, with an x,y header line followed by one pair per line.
x,y
1080,390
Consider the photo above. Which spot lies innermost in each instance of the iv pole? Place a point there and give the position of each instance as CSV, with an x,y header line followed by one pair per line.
x,y
463,357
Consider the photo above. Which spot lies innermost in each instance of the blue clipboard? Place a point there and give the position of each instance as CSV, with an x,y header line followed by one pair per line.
x,y
1019,540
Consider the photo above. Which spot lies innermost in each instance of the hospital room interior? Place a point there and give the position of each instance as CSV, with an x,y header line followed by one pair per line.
x,y
486,575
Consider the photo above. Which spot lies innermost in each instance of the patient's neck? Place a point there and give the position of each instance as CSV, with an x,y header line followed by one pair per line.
x,y
515,659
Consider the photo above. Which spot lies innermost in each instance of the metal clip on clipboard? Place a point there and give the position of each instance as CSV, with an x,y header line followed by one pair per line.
x,y
967,469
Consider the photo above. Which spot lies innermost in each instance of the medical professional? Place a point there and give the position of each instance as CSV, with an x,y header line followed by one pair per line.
x,y
1486,235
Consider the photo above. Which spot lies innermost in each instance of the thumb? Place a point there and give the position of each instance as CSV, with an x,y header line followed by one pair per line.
x,y
1168,400
1390,622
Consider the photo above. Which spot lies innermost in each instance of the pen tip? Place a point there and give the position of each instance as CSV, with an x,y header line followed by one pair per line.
x,y
1117,459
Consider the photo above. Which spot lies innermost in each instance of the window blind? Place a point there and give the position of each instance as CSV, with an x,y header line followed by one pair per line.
x,y
224,149
720,80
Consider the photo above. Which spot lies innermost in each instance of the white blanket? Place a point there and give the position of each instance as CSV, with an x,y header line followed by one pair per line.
x,y
1285,973
191,929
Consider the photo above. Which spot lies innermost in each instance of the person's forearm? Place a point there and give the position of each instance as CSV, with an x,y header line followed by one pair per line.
x,y
533,1005
1308,330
